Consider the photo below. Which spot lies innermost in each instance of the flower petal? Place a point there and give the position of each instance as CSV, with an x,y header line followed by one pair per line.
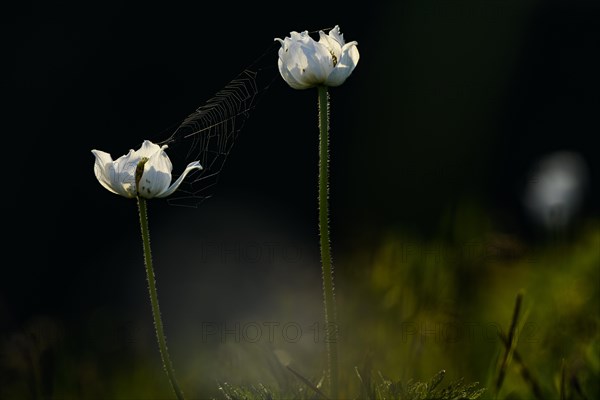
x,y
288,60
286,75
107,175
104,169
191,166
296,62
337,35
303,62
345,65
333,42
320,63
350,55
156,176
148,149
124,174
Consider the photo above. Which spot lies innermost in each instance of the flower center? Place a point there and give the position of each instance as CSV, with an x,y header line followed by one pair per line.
x,y
333,58
139,171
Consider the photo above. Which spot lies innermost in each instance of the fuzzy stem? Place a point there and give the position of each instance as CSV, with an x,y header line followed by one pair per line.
x,y
158,325
327,267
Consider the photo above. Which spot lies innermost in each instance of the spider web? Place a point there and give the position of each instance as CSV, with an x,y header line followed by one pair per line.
x,y
209,133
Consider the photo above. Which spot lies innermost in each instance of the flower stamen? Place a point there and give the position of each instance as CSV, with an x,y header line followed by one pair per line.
x,y
139,171
333,58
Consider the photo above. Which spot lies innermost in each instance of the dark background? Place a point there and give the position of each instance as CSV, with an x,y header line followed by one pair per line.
x,y
451,101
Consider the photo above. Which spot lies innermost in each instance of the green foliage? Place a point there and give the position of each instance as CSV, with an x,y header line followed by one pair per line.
x,y
450,303
408,305
431,390
383,389
259,392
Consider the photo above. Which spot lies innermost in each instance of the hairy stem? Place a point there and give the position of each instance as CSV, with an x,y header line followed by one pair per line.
x,y
327,267
158,325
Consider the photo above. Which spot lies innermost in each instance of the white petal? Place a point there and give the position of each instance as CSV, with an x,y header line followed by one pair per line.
x,y
104,169
124,174
320,63
336,35
296,63
289,78
311,63
284,62
156,176
303,37
332,44
283,43
350,55
147,149
303,62
345,66
192,166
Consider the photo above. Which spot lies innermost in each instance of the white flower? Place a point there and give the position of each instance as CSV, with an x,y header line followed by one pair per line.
x,y
556,189
305,63
149,168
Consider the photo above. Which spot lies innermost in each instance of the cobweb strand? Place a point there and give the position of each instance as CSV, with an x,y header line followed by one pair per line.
x,y
209,133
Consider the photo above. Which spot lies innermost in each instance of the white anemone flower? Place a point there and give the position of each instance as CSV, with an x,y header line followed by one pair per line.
x,y
305,63
145,172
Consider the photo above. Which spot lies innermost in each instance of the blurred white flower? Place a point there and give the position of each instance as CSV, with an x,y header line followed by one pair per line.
x,y
305,63
149,168
555,189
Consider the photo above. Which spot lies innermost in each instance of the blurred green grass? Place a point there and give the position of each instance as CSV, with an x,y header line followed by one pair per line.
x,y
426,305
408,308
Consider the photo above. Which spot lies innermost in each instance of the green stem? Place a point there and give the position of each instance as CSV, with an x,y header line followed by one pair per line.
x,y
162,342
327,267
